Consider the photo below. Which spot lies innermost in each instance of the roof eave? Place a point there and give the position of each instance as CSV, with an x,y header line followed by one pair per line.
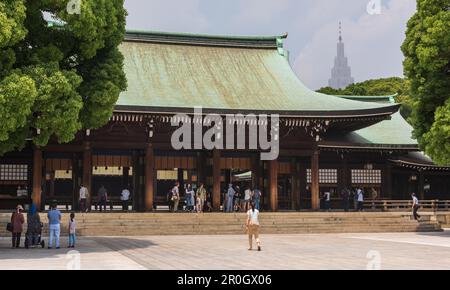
x,y
372,112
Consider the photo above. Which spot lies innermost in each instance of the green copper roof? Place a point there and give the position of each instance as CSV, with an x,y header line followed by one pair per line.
x,y
393,133
382,99
169,72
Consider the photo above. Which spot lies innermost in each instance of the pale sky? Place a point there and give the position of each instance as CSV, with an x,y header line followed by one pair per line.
x,y
372,40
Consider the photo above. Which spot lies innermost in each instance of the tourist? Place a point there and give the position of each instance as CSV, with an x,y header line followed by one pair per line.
x,y
54,220
208,202
198,207
230,196
247,198
345,195
355,199
34,227
201,195
83,198
415,207
72,231
256,197
102,197
374,193
170,200
327,200
252,225
176,196
360,194
237,199
190,200
125,197
17,221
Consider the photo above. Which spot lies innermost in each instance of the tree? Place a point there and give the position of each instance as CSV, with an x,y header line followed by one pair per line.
x,y
427,65
379,87
57,79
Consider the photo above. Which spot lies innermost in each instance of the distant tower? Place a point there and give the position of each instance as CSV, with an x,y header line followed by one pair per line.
x,y
341,75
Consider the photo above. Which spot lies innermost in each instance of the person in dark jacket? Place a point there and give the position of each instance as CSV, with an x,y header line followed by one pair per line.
x,y
17,221
34,227
345,195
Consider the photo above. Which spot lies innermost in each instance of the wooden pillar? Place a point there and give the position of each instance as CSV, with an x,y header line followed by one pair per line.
x,y
201,169
87,171
421,190
343,175
149,178
216,179
256,172
386,191
273,184
126,177
75,182
36,195
302,184
294,184
315,199
137,185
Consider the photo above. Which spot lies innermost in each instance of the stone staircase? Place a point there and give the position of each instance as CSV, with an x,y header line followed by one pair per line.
x,y
141,224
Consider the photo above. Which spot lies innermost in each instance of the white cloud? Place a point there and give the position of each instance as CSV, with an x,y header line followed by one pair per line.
x,y
165,15
372,45
259,12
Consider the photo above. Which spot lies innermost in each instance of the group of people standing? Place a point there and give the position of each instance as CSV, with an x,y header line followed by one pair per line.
x,y
236,201
34,227
195,201
357,195
102,198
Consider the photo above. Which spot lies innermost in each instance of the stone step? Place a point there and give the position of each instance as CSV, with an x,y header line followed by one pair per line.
x,y
135,224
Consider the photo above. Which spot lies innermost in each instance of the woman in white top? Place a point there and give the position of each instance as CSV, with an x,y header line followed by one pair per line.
x,y
247,198
253,227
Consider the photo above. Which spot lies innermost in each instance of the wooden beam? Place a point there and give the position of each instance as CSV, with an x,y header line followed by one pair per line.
x,y
149,177
315,200
216,179
37,177
273,184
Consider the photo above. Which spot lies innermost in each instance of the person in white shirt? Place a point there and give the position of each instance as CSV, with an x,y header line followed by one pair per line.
x,y
415,206
327,199
83,198
252,225
247,198
125,197
360,199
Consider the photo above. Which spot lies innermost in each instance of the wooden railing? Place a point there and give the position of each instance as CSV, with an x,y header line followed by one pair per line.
x,y
396,205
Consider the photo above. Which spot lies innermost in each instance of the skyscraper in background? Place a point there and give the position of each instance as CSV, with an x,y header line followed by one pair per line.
x,y
341,75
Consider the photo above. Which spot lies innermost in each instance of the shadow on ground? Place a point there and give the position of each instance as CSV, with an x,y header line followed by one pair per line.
x,y
84,245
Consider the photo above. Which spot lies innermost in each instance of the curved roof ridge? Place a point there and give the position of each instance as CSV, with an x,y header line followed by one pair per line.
x,y
205,39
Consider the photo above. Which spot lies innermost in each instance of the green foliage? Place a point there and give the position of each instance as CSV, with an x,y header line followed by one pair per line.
x,y
378,87
58,78
427,66
438,138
